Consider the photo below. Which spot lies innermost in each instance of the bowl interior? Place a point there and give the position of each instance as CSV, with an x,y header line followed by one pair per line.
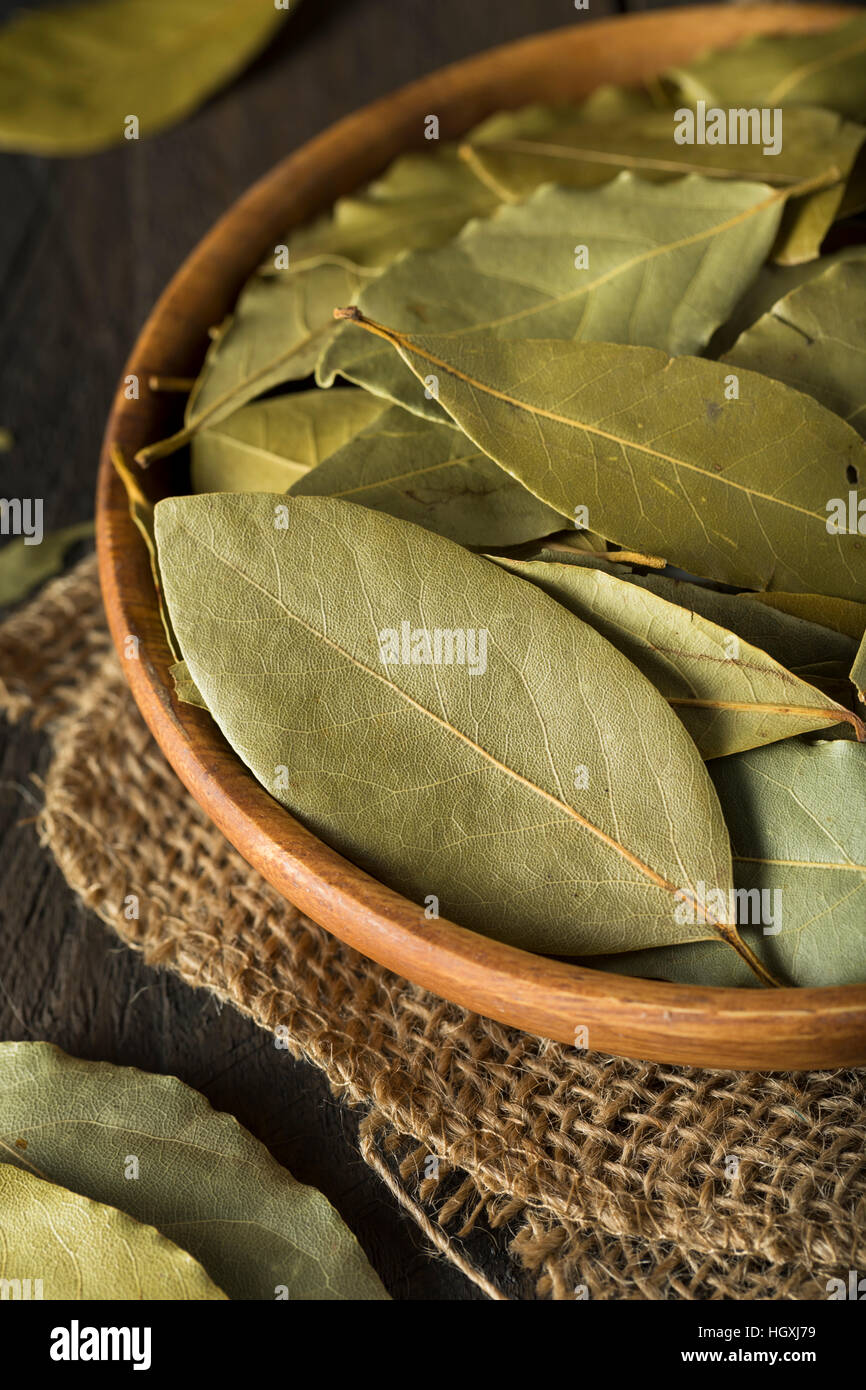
x,y
637,1018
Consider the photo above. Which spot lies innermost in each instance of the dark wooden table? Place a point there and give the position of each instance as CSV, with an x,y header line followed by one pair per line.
x,y
85,247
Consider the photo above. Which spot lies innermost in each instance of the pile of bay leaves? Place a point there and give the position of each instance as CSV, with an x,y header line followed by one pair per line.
x,y
533,579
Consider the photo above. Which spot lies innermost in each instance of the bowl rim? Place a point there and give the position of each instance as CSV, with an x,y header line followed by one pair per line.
x,y
643,1019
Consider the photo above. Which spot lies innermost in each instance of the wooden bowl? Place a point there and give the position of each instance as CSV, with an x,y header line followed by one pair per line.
x,y
773,1029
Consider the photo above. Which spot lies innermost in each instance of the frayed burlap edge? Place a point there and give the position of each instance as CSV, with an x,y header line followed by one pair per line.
x,y
613,1179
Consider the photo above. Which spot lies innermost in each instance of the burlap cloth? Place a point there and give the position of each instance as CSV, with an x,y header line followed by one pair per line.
x,y
603,1175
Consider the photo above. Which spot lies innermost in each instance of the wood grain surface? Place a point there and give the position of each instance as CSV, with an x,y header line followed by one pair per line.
x,y
85,248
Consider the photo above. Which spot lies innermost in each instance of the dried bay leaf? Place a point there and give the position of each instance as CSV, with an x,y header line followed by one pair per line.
x,y
730,695
815,340
609,102
854,201
431,474
71,74
769,70
140,507
835,688
184,686
806,221
283,320
538,120
457,779
24,567
203,1181
841,615
268,445
278,329
516,151
421,200
819,150
78,1249
797,832
772,283
352,444
735,490
666,266
596,547
141,512
585,541
795,642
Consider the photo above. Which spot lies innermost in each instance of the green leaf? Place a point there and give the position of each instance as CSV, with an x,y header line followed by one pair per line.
x,y
141,511
607,103
71,75
520,150
842,615
736,490
77,1249
269,445
422,200
772,283
153,1147
283,321
854,201
666,266
806,221
560,815
730,695
433,475
24,567
590,543
826,69
516,151
795,642
278,329
815,340
793,810
184,686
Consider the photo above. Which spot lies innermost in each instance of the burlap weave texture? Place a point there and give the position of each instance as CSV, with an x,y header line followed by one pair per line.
x,y
607,1175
